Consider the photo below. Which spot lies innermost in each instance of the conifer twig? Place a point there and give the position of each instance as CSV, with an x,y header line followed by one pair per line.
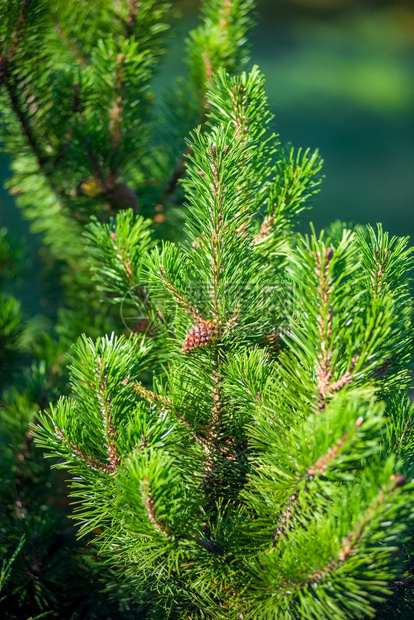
x,y
350,542
150,509
5,76
320,466
18,33
217,197
89,460
133,9
117,106
191,311
24,123
107,418
71,44
381,265
168,531
317,469
324,326
166,403
152,397
285,518
239,112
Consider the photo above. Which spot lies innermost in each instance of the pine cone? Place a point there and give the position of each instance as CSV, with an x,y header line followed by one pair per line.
x,y
202,335
122,197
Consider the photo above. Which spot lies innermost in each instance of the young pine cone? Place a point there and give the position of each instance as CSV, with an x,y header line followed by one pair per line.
x,y
202,335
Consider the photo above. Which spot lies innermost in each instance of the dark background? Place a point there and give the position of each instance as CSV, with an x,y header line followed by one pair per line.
x,y
340,77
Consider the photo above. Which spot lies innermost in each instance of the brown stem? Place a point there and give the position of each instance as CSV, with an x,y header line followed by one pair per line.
x,y
265,229
403,437
191,311
166,403
317,469
350,542
239,111
286,517
150,509
89,460
377,277
324,326
214,454
320,466
152,397
125,259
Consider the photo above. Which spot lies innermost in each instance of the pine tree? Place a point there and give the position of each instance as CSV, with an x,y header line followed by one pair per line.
x,y
266,470
82,128
80,119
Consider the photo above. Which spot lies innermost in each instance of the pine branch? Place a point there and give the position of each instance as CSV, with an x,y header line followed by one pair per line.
x,y
286,517
191,311
152,397
115,124
6,76
326,387
150,509
351,542
70,43
87,459
325,330
208,545
381,260
107,418
19,31
26,128
228,482
319,468
133,9
217,208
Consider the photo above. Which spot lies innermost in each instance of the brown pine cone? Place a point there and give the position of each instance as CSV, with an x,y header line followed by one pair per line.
x,y
120,196
201,335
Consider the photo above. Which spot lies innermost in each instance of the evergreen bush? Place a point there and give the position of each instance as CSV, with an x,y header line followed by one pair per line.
x,y
235,417
268,472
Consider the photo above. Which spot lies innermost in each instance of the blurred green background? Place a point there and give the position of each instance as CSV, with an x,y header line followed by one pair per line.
x,y
340,77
